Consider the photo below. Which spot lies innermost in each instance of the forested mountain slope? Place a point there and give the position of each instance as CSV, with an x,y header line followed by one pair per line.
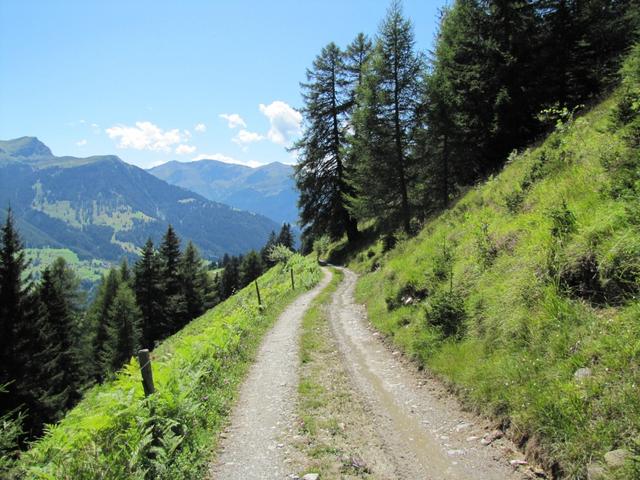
x,y
102,207
524,294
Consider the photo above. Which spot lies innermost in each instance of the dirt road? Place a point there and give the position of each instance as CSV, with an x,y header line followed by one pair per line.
x,y
405,422
426,433
251,447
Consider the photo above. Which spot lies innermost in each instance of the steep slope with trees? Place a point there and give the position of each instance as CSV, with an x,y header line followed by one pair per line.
x,y
524,294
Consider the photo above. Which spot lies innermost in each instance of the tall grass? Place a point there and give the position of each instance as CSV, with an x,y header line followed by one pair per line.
x,y
115,433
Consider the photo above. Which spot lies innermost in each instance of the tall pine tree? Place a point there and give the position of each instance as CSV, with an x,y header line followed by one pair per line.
x,y
61,299
320,172
147,284
194,281
174,311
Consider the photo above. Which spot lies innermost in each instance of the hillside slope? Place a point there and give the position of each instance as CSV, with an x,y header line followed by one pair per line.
x,y
524,295
115,433
268,190
102,207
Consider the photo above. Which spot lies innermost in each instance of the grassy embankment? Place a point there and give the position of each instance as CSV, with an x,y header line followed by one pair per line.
x,y
524,295
114,433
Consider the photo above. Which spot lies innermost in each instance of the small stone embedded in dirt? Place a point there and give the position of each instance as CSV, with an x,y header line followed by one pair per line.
x,y
518,462
582,373
616,458
596,471
455,452
489,438
463,426
472,438
311,476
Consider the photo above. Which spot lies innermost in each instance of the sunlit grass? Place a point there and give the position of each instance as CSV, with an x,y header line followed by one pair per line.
x,y
524,336
114,433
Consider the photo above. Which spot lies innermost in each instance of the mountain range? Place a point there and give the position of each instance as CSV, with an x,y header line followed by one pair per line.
x,y
102,207
268,190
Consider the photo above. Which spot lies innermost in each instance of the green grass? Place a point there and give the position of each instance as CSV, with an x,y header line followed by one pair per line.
x,y
526,324
114,433
324,401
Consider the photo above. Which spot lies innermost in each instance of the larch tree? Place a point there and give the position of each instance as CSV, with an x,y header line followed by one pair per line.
x,y
386,119
320,172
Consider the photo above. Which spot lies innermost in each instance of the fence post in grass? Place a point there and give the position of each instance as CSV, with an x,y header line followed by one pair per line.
x,y
145,368
293,284
258,292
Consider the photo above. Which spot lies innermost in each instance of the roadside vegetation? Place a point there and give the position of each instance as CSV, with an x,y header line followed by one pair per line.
x,y
114,432
524,295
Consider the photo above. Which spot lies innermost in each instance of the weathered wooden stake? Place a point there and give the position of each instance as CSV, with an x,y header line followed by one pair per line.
x,y
258,292
145,368
293,284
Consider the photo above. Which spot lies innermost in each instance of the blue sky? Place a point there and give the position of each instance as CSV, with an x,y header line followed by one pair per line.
x,y
153,81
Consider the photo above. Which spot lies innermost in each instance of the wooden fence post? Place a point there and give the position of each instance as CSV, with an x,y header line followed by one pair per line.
x,y
147,375
293,284
258,292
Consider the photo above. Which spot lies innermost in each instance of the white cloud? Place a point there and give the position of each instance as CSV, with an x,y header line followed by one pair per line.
x,y
182,149
244,137
233,120
200,128
285,122
81,143
146,136
226,159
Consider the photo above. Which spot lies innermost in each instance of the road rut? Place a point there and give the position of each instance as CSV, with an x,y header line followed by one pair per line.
x,y
424,429
264,413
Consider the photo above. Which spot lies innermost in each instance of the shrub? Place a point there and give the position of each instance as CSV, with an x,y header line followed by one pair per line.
x,y
280,254
446,311
513,200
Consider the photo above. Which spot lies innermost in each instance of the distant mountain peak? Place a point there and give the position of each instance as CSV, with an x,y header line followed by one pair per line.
x,y
25,147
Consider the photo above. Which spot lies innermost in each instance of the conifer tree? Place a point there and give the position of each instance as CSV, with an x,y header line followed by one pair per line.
x,y
60,299
251,268
386,119
174,310
356,56
124,316
125,271
147,285
320,172
22,349
105,332
230,279
285,237
194,281
264,253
